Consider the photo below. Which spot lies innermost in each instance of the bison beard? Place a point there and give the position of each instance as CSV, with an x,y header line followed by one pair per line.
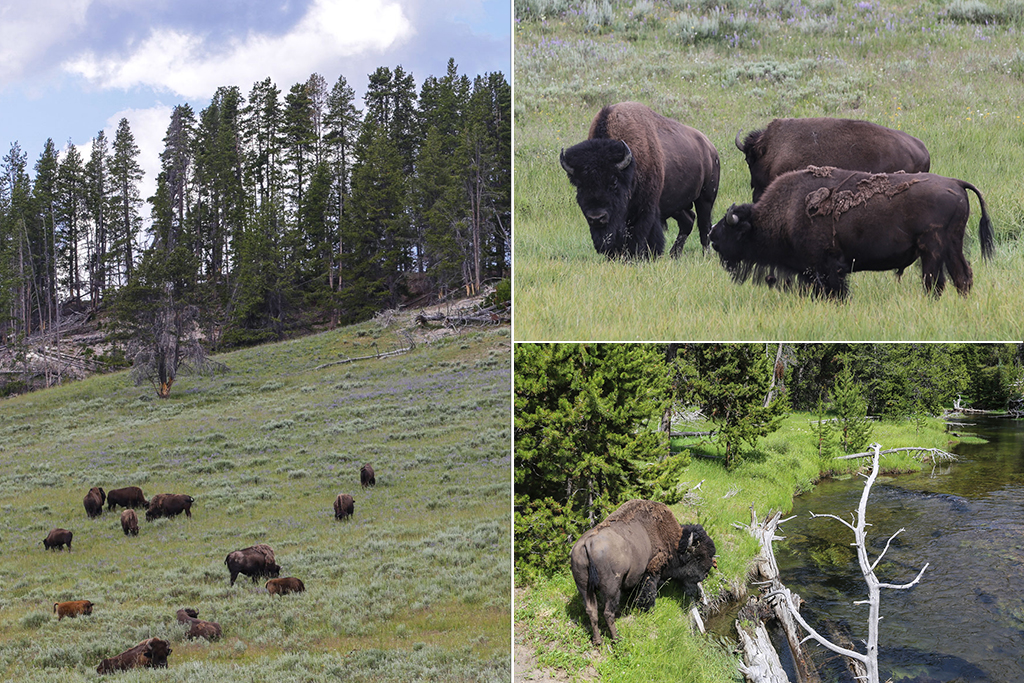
x,y
639,546
636,170
819,224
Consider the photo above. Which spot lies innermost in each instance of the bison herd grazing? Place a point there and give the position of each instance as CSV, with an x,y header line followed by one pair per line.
x,y
257,562
830,197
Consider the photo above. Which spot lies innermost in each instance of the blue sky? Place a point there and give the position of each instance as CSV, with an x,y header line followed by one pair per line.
x,y
69,68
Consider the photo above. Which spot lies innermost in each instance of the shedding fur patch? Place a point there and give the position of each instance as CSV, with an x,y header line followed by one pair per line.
x,y
658,521
834,202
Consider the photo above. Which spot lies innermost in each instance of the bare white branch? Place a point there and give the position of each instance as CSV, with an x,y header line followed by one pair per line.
x,y
885,549
906,585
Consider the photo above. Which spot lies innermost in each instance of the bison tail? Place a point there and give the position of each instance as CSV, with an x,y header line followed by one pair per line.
x,y
593,580
985,233
55,607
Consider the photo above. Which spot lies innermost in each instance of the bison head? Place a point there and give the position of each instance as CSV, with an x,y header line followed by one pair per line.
x,y
730,236
694,558
602,171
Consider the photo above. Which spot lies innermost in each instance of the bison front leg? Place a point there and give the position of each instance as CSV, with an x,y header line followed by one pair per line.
x,y
685,222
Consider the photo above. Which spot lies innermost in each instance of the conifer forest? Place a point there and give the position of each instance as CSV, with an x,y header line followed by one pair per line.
x,y
274,211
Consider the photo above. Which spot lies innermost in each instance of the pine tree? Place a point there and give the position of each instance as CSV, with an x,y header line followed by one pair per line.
x,y
125,202
72,220
43,235
97,205
850,407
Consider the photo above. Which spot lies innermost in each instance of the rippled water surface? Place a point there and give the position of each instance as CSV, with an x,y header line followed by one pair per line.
x,y
965,620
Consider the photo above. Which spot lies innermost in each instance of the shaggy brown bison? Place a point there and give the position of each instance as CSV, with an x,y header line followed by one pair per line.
x,y
344,506
72,608
640,545
151,653
366,476
169,505
128,497
93,502
198,628
255,562
57,538
636,170
791,144
284,586
129,522
822,223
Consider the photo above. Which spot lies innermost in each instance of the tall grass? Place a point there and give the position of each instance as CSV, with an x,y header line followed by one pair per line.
x,y
415,586
732,66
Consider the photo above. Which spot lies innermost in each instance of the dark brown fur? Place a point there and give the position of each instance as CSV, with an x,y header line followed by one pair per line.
x,y
820,224
285,585
93,502
628,191
72,608
127,497
151,653
344,506
198,628
792,144
255,562
129,522
366,476
169,505
57,538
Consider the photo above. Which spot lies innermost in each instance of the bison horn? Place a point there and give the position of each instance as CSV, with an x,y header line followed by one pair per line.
x,y
731,218
565,165
739,145
626,160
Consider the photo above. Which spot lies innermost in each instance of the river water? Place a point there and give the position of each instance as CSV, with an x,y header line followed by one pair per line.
x,y
965,620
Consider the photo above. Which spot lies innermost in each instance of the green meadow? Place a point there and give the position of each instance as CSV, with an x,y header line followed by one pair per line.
x,y
949,73
415,586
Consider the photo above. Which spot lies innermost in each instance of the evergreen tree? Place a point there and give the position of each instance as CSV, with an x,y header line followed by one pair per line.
x,y
72,220
342,123
125,201
16,270
850,408
42,235
97,204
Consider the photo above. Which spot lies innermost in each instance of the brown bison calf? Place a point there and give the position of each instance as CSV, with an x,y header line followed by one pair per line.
x,y
72,608
57,538
152,653
288,584
129,522
93,502
197,627
344,506
366,476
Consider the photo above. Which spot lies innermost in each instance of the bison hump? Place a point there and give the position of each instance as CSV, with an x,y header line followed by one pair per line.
x,y
657,521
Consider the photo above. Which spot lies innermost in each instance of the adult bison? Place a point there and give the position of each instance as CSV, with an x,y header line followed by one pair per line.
x,y
72,608
286,585
639,545
128,497
198,628
344,506
791,144
255,562
129,522
93,502
169,505
820,224
366,476
57,539
636,170
151,653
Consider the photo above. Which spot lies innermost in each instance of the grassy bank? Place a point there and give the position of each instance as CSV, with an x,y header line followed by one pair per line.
x,y
414,586
921,66
549,615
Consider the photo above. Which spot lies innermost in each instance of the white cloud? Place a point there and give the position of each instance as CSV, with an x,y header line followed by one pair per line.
x,y
186,65
29,30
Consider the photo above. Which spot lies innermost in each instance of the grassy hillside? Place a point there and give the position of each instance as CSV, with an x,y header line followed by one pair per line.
x,y
950,73
415,586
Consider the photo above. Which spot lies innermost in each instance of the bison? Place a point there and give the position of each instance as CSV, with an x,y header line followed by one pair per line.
x,y
72,608
366,476
255,562
791,144
57,538
640,545
93,502
288,584
128,497
129,522
636,170
152,653
169,505
344,506
198,628
822,223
